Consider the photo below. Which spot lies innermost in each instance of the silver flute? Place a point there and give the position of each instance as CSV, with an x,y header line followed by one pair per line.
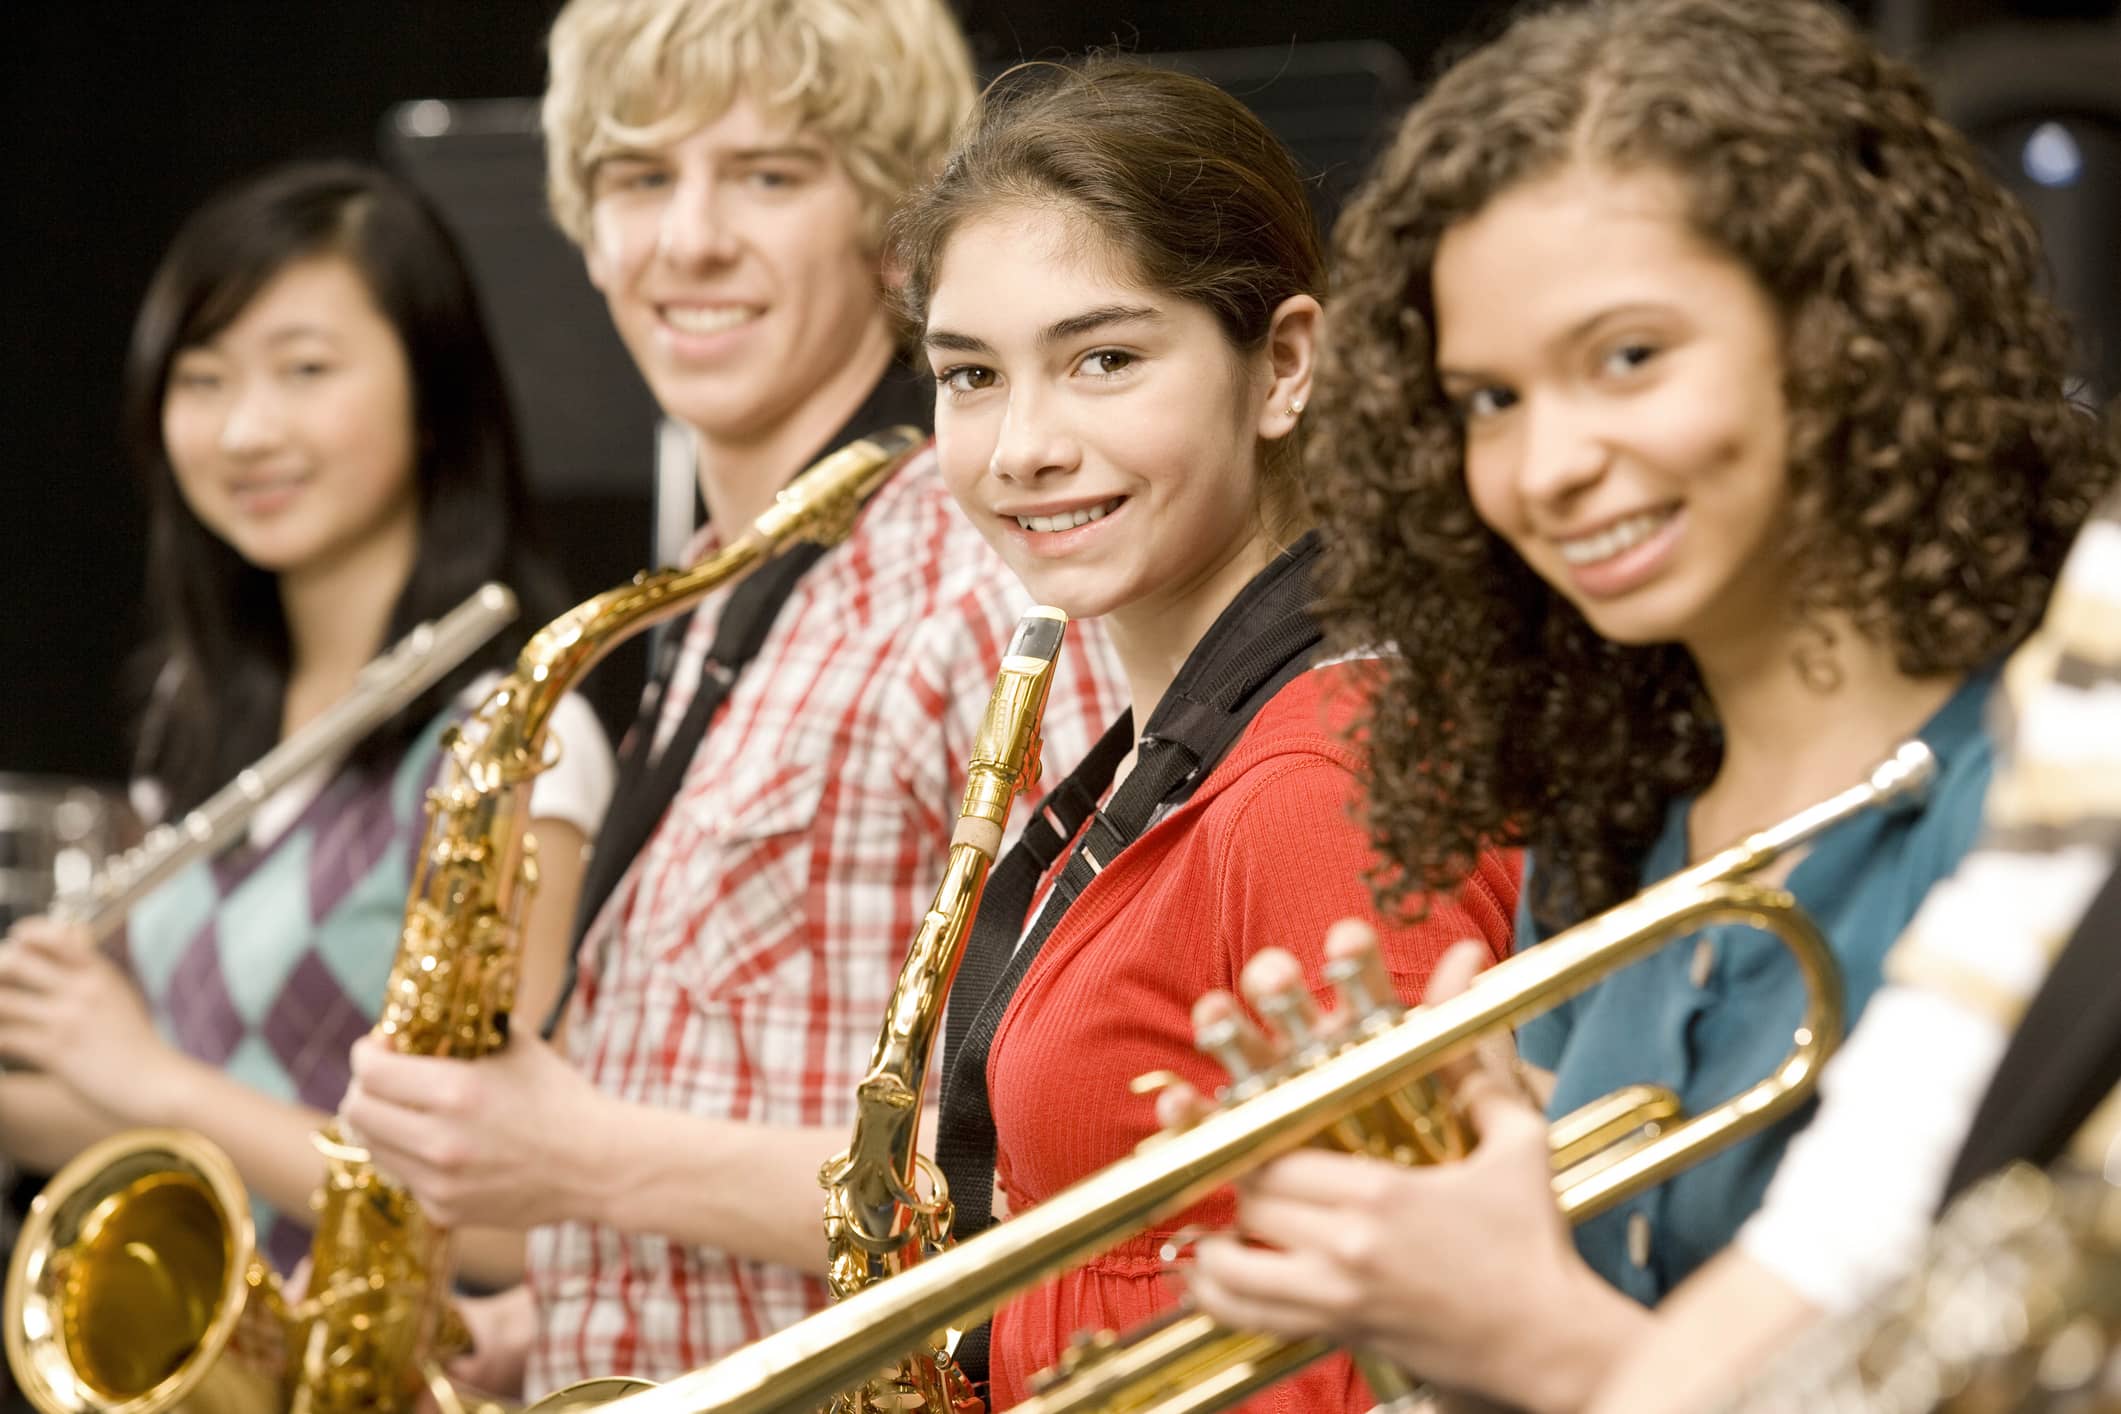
x,y
411,666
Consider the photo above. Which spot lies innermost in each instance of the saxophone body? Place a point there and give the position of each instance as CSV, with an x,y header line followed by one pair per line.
x,y
887,1206
375,1324
380,1271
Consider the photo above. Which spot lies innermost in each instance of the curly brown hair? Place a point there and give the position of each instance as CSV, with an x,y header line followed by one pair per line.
x,y
1938,471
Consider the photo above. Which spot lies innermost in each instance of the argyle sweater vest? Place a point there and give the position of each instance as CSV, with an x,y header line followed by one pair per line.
x,y
270,961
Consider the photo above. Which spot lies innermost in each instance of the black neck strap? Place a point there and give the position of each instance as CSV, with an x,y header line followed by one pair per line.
x,y
1261,641
648,779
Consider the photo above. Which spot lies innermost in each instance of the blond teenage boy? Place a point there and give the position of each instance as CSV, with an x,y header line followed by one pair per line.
x,y
727,167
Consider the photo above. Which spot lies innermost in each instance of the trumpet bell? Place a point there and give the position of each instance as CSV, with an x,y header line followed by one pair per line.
x,y
136,1287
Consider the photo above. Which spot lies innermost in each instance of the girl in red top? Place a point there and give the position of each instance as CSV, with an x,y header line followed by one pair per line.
x,y
1115,283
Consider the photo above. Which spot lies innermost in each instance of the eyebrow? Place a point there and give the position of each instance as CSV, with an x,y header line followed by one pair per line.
x,y
796,150
292,332
1568,336
286,334
779,152
1074,326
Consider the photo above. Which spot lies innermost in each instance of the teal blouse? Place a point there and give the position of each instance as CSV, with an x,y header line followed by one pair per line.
x,y
1710,1014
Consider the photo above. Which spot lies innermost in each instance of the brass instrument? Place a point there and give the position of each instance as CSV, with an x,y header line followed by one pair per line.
x,y
375,1324
805,1365
397,676
142,1245
2015,1305
887,1206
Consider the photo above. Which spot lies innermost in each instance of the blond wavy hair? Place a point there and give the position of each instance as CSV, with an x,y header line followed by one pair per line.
x,y
884,82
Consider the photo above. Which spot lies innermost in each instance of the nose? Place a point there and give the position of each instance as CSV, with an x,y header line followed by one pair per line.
x,y
1033,440
254,422
1564,450
696,228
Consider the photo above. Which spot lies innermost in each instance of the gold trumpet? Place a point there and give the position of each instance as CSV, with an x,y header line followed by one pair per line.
x,y
807,1364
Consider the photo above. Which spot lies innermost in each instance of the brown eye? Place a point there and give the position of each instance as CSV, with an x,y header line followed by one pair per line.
x,y
966,378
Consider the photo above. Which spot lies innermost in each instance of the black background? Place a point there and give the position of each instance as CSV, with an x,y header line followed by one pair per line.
x,y
122,116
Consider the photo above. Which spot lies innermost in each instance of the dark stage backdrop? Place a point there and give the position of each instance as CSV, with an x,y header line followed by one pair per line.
x,y
123,114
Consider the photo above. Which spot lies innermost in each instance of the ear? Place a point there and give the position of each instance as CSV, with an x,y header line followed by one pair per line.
x,y
1292,353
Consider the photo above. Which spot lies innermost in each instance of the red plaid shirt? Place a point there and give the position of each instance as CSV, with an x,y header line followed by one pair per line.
x,y
742,967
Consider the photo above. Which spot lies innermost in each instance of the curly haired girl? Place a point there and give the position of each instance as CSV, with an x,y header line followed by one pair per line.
x,y
1693,428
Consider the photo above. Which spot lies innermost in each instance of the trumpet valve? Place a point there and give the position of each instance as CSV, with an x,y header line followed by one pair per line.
x,y
1223,1040
1290,1011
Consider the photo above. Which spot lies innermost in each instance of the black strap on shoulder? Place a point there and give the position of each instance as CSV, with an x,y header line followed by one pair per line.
x,y
1261,641
648,779
2062,1060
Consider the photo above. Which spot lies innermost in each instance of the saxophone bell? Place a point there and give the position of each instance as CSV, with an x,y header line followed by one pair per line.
x,y
136,1284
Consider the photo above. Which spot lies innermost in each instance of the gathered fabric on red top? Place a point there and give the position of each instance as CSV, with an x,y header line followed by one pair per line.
x,y
1268,852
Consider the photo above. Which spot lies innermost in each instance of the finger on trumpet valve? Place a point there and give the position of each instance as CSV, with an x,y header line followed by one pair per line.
x,y
1356,969
1224,1040
1291,1012
1273,982
1222,1031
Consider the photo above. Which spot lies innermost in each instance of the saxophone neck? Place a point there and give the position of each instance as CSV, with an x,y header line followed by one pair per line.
x,y
875,1213
1005,754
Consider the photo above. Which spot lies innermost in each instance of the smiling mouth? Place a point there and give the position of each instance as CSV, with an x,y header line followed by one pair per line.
x,y
1614,539
1068,520
692,319
268,486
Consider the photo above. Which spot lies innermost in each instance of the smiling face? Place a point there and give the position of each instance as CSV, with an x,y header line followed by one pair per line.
x,y
291,430
1105,438
1620,383
733,263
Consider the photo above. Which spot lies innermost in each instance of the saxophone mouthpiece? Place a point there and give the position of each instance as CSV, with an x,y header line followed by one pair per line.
x,y
1005,753
1038,634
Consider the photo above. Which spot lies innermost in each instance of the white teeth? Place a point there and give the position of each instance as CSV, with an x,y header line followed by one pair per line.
x,y
692,319
265,486
1626,535
1067,520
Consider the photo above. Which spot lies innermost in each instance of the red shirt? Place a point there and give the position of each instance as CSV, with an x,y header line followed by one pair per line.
x,y
1267,853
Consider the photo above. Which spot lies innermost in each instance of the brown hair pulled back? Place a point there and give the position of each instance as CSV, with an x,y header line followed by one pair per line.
x,y
1938,472
1171,173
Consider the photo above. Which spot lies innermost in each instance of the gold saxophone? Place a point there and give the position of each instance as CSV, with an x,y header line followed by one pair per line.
x,y
147,1287
1385,1069
887,1206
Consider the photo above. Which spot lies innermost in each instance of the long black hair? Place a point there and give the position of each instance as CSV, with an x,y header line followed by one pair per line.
x,y
220,655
